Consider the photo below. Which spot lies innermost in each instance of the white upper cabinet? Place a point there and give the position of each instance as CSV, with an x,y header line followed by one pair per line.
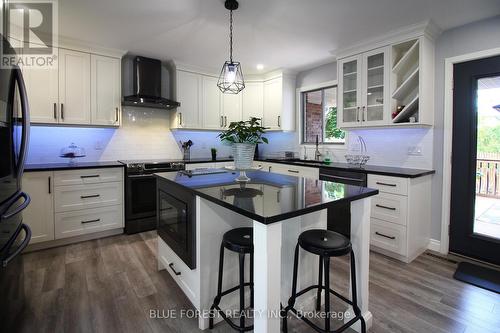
x,y
74,87
105,94
188,92
211,104
203,106
279,103
253,100
42,88
231,108
388,85
364,89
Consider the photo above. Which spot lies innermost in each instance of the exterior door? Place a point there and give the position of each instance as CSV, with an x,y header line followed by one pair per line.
x,y
350,94
475,198
105,95
74,87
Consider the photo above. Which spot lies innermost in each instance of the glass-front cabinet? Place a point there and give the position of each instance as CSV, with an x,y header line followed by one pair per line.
x,y
364,89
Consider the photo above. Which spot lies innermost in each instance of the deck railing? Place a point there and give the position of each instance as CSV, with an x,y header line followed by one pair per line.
x,y
487,177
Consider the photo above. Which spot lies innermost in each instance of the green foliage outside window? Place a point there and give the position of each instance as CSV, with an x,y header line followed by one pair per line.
x,y
332,132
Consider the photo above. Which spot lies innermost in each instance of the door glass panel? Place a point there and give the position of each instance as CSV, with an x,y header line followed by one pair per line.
x,y
350,76
375,87
487,207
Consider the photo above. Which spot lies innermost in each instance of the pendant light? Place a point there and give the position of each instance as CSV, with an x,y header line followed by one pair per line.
x,y
231,77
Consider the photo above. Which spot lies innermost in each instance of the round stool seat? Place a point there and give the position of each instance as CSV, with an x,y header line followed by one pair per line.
x,y
239,240
324,243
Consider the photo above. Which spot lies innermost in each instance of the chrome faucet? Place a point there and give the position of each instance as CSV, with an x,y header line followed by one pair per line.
x,y
317,154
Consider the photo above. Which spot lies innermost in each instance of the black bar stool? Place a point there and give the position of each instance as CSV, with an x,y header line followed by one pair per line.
x,y
238,240
325,244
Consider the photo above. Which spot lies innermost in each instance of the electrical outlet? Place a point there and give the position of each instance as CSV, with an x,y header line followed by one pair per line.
x,y
415,150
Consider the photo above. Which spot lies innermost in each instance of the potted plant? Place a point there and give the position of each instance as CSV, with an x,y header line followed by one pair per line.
x,y
244,136
214,154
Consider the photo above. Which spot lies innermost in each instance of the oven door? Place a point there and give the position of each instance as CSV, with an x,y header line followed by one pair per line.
x,y
176,223
140,197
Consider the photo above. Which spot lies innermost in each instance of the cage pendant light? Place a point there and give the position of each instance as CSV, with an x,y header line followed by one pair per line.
x,y
231,77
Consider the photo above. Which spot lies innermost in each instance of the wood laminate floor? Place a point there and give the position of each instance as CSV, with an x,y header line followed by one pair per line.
x,y
111,284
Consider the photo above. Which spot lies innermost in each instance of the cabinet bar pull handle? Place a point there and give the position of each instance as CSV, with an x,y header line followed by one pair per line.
x,y
89,176
357,114
55,110
363,114
50,181
171,265
225,121
180,118
116,115
62,111
386,184
90,196
221,121
385,207
379,234
91,221
279,121
294,171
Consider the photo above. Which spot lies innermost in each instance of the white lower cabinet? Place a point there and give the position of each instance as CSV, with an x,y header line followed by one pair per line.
x,y
400,216
39,215
64,205
80,222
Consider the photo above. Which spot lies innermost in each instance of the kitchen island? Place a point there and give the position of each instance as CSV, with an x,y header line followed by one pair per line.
x,y
195,211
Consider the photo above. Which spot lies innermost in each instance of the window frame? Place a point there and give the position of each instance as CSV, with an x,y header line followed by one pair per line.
x,y
302,114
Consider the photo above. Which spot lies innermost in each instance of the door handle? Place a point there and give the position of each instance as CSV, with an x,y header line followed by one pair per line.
x,y
382,235
55,110
90,196
21,247
50,180
116,115
293,171
171,265
279,121
62,111
385,207
16,211
91,221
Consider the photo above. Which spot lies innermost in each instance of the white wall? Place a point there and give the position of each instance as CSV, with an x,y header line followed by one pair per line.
x,y
478,36
144,134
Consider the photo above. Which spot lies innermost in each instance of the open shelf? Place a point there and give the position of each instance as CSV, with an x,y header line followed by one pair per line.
x,y
407,86
408,59
407,111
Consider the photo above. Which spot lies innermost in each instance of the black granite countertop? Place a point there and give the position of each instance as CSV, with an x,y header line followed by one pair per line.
x,y
267,197
370,169
68,166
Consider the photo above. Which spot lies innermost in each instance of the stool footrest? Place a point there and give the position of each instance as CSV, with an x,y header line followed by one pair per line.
x,y
224,293
230,322
316,286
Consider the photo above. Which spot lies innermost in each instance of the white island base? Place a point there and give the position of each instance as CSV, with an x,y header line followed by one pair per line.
x,y
274,246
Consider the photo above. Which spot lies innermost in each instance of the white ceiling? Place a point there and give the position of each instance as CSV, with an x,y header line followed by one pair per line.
x,y
292,34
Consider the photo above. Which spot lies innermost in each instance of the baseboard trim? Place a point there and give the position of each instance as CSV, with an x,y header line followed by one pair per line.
x,y
434,245
72,240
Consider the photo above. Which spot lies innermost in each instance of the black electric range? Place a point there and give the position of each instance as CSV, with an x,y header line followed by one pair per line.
x,y
140,192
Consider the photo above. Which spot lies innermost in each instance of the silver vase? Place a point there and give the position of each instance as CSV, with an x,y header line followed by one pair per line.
x,y
243,155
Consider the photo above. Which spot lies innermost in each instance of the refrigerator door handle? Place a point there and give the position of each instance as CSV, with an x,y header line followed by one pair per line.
x,y
25,119
8,215
22,246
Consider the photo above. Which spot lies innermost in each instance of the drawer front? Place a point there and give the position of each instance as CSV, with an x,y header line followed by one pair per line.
x,y
88,176
194,166
386,184
390,207
297,171
82,222
388,236
69,198
180,272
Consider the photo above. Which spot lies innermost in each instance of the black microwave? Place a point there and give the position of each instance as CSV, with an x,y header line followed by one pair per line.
x,y
176,220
